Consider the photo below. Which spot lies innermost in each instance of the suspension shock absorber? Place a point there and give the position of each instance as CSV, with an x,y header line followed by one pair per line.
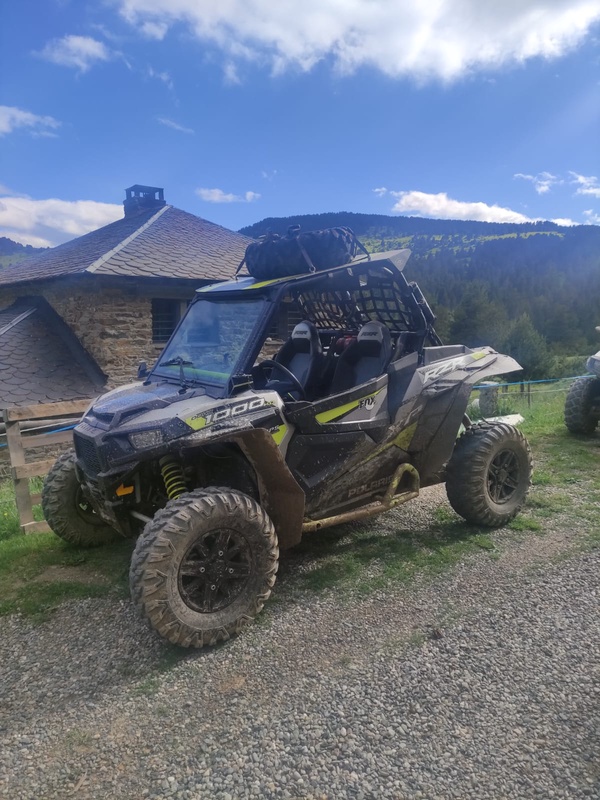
x,y
172,473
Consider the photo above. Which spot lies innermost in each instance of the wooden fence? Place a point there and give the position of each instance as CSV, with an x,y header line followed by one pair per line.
x,y
20,441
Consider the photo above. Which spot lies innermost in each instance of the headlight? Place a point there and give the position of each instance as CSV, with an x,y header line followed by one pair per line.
x,y
144,439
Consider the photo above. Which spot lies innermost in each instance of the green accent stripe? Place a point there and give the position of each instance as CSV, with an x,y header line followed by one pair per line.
x,y
261,284
196,423
197,373
402,440
339,411
334,413
279,434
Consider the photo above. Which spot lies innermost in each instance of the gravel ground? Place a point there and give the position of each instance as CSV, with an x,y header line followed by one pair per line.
x,y
482,684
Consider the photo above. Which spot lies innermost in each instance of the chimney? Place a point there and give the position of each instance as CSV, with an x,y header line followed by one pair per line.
x,y
142,198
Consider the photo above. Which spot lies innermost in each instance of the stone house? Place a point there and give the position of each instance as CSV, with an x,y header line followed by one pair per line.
x,y
120,290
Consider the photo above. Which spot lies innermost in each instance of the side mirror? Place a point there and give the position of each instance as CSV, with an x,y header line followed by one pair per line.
x,y
142,371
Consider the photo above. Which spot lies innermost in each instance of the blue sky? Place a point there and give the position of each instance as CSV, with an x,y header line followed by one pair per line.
x,y
243,109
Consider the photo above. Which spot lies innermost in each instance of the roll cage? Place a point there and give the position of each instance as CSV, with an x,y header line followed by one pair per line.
x,y
338,302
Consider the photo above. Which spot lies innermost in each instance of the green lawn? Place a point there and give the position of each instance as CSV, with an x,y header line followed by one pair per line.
x,y
38,570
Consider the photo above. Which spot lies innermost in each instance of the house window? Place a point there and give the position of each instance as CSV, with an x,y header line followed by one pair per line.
x,y
286,320
165,316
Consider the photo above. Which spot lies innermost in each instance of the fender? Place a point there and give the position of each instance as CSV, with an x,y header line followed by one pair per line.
x,y
499,366
280,494
434,439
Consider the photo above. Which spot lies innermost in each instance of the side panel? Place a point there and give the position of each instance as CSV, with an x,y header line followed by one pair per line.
x,y
333,440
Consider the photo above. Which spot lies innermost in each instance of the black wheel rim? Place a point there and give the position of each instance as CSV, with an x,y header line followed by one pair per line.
x,y
214,570
503,476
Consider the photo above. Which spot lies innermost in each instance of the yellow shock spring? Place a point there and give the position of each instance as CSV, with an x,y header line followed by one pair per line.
x,y
172,473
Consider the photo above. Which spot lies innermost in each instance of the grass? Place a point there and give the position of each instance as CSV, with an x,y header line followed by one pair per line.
x,y
38,572
373,555
9,519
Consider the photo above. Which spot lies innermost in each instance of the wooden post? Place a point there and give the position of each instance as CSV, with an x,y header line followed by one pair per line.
x,y
17,445
16,453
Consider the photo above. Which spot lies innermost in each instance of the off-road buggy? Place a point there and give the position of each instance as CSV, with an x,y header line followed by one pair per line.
x,y
218,459
582,406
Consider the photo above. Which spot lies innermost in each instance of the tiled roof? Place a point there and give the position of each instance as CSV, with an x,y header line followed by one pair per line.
x,y
41,361
163,243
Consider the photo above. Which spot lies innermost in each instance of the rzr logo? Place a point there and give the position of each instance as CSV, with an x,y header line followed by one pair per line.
x,y
444,368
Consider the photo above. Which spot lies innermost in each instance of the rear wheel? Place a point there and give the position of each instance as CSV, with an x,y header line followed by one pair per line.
x,y
204,566
489,474
580,413
66,509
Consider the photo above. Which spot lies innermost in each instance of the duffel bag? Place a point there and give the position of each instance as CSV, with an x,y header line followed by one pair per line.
x,y
274,256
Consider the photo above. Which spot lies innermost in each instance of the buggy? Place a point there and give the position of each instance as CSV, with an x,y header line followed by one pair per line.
x,y
582,405
220,456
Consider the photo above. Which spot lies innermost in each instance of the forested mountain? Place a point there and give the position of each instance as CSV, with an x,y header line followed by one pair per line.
x,y
381,225
532,290
11,252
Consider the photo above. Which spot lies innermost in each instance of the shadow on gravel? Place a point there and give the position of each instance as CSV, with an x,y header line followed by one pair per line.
x,y
372,554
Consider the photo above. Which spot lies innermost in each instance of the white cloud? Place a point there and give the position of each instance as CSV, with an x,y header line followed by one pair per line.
x,y
591,217
443,39
174,125
52,221
155,30
586,184
381,191
231,74
12,118
440,206
542,182
164,77
564,221
219,196
80,52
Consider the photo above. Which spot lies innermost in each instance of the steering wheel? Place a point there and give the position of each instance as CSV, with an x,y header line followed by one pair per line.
x,y
273,365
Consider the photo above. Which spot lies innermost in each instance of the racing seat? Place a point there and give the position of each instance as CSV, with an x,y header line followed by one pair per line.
x,y
302,355
364,359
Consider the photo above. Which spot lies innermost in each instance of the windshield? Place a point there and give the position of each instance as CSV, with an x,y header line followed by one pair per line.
x,y
208,344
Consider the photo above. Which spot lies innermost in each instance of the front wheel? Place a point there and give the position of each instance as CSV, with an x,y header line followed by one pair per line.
x,y
581,405
67,511
204,566
489,474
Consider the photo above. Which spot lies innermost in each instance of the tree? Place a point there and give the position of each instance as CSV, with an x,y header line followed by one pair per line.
x,y
529,348
477,319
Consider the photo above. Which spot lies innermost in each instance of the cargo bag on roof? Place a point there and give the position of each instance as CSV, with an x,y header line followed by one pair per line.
x,y
274,256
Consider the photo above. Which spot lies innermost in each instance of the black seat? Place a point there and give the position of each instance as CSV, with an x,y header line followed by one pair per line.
x,y
302,354
366,358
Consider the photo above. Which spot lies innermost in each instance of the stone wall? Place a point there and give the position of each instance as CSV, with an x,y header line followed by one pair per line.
x,y
112,321
115,326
